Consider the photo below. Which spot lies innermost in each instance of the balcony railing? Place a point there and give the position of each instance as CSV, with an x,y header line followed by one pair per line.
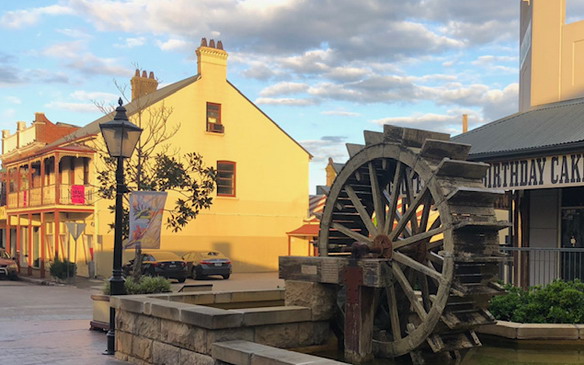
x,y
69,195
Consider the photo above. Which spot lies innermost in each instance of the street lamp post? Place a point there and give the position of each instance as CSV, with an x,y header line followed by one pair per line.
x,y
121,137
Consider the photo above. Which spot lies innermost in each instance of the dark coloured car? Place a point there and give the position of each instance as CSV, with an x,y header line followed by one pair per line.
x,y
204,263
160,263
8,266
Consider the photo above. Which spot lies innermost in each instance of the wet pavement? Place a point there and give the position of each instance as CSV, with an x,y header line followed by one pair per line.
x,y
42,324
48,325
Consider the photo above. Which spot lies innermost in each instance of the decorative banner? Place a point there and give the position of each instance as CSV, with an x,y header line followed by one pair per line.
x,y
146,209
78,194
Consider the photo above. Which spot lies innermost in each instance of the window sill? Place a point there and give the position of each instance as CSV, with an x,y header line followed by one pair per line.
x,y
226,197
214,133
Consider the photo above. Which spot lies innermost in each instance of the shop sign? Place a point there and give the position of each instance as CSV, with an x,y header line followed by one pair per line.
x,y
77,194
536,173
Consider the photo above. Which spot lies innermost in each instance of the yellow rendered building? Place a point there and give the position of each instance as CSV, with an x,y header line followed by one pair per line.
x,y
551,54
263,192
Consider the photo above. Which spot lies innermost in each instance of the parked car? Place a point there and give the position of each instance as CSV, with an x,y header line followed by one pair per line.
x,y
160,263
204,263
8,266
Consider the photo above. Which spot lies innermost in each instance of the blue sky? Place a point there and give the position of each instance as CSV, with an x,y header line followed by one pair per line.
x,y
324,70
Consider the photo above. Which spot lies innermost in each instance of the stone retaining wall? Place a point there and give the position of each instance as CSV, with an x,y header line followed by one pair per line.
x,y
169,329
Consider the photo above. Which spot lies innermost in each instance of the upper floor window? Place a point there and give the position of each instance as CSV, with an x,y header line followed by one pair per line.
x,y
225,178
214,118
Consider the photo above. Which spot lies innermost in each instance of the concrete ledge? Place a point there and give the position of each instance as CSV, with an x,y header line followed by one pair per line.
x,y
546,331
181,307
534,331
271,315
250,353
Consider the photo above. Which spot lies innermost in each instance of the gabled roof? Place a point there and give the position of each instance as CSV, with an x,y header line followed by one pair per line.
x,y
150,99
545,128
131,108
270,119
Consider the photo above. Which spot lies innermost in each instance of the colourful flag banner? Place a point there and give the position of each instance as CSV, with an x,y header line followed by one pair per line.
x,y
146,209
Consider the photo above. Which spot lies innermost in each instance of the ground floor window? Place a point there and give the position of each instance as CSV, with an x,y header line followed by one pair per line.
x,y
225,178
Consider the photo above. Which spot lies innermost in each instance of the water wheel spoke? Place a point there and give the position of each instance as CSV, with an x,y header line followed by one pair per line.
x,y
425,214
378,205
433,257
393,313
409,262
418,237
410,212
434,245
361,210
350,233
393,198
409,182
423,281
409,291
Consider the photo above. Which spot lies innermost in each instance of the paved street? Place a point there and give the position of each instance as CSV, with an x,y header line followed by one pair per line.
x,y
50,324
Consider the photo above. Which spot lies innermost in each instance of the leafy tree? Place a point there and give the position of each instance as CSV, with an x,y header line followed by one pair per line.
x,y
156,166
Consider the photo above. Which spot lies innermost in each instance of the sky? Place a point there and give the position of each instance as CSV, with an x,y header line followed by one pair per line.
x,y
323,70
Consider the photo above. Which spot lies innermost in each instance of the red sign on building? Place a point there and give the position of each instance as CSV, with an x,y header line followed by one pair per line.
x,y
78,194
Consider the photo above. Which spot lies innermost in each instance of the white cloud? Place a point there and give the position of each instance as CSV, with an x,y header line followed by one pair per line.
x,y
450,123
327,146
284,88
93,95
75,55
13,100
29,17
340,113
74,107
8,113
175,45
75,33
285,101
132,42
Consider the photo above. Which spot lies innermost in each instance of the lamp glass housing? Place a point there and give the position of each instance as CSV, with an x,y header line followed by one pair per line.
x,y
121,137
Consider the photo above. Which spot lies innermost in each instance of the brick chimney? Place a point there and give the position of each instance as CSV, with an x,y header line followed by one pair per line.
x,y
143,85
464,123
212,60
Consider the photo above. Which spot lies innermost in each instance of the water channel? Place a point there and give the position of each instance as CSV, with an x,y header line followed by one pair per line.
x,y
494,352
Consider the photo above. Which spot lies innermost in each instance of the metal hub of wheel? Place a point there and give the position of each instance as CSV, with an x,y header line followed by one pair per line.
x,y
414,200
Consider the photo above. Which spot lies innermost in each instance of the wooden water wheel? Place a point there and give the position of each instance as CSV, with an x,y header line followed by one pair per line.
x,y
415,201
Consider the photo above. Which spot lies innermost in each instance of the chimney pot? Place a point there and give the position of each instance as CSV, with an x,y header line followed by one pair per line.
x,y
143,85
203,42
212,43
219,45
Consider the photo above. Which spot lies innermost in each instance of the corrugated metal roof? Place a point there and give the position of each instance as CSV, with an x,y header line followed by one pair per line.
x,y
543,128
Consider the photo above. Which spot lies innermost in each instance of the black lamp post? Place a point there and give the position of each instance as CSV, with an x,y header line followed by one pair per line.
x,y
121,137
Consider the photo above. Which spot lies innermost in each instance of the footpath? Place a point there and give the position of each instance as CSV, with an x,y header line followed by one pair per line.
x,y
42,322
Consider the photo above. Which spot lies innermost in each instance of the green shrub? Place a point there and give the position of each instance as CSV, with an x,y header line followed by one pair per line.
x,y
146,285
63,269
558,302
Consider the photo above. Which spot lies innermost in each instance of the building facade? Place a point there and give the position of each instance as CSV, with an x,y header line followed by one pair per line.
x,y
262,184
537,155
